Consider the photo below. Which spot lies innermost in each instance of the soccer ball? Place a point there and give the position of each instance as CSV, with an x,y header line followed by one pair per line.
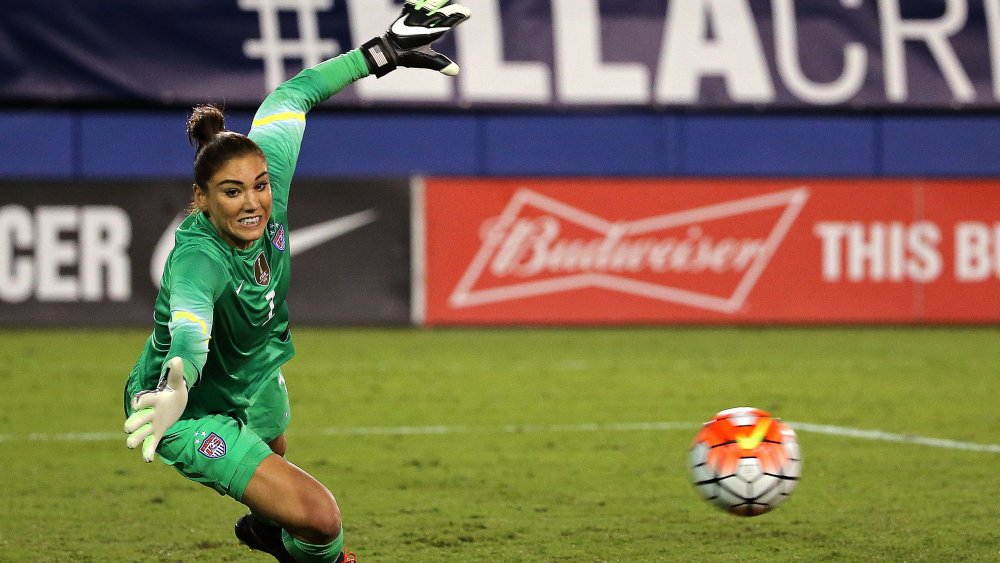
x,y
745,461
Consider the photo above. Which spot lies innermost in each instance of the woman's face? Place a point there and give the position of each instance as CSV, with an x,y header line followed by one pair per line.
x,y
238,200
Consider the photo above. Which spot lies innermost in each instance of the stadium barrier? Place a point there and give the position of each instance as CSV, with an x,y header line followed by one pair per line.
x,y
91,253
472,251
621,251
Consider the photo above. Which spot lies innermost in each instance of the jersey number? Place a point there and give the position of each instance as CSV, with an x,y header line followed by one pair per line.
x,y
270,303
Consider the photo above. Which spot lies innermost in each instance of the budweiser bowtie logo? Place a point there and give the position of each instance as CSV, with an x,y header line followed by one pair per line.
x,y
709,257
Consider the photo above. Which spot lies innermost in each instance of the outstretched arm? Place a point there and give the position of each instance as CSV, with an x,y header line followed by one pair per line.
x,y
279,123
194,281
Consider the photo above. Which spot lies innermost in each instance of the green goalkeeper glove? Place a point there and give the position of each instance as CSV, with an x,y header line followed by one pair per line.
x,y
157,410
408,40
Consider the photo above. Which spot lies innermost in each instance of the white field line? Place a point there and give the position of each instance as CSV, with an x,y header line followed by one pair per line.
x,y
880,436
857,433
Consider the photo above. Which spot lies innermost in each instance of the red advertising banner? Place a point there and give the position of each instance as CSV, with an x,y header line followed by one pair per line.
x,y
616,251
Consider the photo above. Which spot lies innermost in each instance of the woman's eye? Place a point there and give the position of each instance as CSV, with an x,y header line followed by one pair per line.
x,y
263,186
232,192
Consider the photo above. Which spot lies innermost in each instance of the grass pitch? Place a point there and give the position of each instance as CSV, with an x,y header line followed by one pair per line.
x,y
533,445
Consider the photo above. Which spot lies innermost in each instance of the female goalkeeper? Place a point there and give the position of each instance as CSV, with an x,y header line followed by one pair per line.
x,y
206,393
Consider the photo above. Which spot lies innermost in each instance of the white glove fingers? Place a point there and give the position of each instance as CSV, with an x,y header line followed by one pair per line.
x,y
144,399
157,411
138,419
149,447
137,437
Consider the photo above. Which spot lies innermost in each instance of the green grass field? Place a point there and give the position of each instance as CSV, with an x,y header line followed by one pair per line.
x,y
532,445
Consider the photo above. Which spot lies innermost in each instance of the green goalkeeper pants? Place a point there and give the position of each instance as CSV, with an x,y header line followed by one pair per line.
x,y
221,452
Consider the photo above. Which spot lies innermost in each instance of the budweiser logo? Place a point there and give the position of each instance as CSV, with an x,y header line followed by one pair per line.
x,y
708,257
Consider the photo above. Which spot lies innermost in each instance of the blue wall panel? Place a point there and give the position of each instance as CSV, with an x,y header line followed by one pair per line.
x,y
779,146
389,145
941,146
627,145
37,144
153,144
134,145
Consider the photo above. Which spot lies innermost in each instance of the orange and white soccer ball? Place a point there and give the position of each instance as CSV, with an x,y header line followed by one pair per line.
x,y
745,461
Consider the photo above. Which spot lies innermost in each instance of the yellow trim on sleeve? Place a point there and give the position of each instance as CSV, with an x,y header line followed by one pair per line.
x,y
284,116
190,317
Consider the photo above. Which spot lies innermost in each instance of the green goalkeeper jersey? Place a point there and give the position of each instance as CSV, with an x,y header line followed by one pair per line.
x,y
220,308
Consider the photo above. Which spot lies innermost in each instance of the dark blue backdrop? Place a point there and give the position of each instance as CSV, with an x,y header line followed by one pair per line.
x,y
99,144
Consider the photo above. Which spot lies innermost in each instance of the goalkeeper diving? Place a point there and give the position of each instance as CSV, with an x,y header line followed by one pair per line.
x,y
207,394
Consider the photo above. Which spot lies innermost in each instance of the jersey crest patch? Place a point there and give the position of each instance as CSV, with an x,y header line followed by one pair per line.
x,y
213,446
278,240
262,270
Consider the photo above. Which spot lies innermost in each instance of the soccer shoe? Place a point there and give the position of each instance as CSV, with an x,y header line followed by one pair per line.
x,y
261,536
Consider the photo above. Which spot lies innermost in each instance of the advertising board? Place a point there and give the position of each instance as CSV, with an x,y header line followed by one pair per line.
x,y
622,251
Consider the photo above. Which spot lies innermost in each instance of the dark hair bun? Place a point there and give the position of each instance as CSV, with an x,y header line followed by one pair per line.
x,y
204,123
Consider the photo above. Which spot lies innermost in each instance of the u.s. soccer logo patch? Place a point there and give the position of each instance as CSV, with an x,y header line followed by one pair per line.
x,y
213,446
278,240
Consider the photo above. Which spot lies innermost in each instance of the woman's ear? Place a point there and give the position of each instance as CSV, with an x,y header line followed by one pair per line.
x,y
200,198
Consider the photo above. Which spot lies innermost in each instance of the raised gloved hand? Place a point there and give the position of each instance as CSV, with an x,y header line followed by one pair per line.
x,y
157,410
408,40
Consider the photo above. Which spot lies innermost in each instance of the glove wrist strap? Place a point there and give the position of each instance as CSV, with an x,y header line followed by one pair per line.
x,y
380,56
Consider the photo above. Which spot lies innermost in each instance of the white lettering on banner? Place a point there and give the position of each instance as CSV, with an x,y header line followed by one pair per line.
x,y
38,259
878,252
274,49
935,34
582,77
993,33
701,39
977,251
486,76
532,256
16,272
735,52
787,51
532,247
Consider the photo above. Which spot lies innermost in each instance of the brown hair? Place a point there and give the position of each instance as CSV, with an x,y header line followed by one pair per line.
x,y
206,130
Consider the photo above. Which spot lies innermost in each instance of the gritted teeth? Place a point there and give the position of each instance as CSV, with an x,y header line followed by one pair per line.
x,y
249,221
